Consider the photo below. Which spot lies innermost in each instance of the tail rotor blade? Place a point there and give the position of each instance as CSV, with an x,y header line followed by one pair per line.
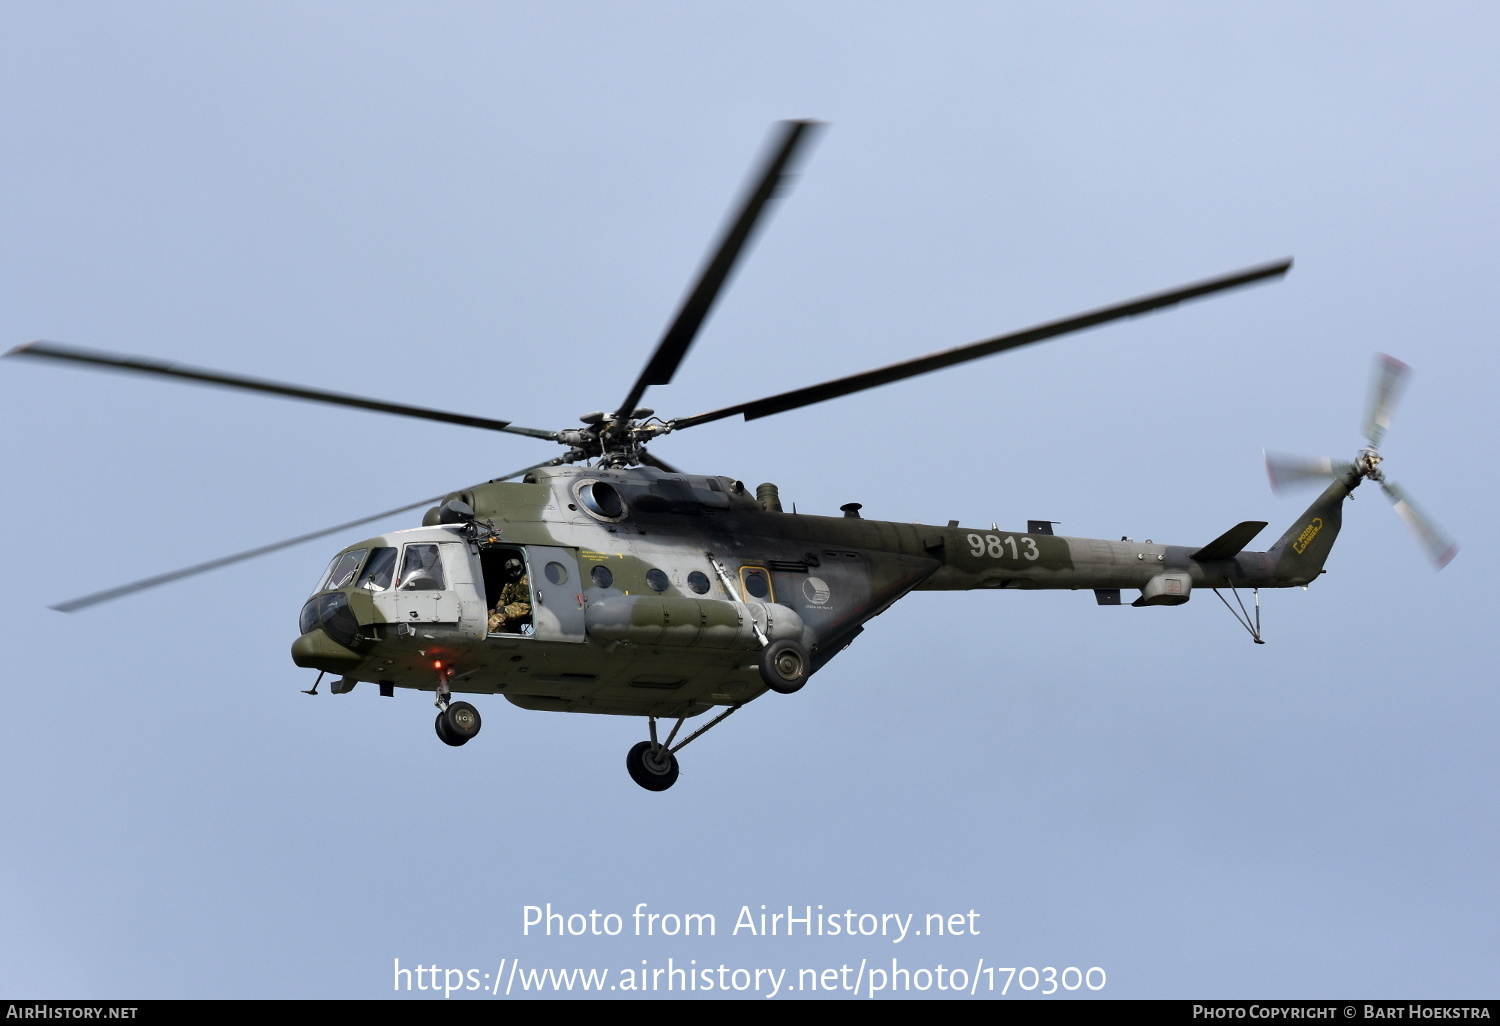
x,y
1290,471
1440,548
1385,391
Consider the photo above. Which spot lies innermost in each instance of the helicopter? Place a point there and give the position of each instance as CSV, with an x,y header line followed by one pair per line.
x,y
607,581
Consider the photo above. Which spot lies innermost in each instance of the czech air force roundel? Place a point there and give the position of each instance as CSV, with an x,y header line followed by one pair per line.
x,y
816,590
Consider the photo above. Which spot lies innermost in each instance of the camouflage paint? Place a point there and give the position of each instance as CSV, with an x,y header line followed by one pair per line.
x,y
679,652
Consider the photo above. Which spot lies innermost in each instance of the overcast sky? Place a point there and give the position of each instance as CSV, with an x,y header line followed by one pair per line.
x,y
494,209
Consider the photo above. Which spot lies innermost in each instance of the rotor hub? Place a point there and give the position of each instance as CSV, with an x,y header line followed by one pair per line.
x,y
1368,464
614,439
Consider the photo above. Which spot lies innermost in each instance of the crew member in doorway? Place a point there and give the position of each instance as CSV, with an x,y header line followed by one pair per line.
x,y
512,612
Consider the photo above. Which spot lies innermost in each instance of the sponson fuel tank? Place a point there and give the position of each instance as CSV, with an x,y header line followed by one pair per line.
x,y
689,622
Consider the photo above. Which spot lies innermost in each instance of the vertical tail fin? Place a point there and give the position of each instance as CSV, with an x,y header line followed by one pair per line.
x,y
1298,557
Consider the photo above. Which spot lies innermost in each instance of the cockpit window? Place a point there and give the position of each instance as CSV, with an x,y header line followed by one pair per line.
x,y
379,570
324,576
421,570
343,569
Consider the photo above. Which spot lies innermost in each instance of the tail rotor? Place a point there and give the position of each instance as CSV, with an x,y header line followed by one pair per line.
x,y
1286,471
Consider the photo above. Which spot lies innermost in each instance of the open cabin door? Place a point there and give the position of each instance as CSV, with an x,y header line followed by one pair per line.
x,y
532,591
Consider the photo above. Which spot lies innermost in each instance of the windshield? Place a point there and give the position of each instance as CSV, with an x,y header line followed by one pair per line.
x,y
343,569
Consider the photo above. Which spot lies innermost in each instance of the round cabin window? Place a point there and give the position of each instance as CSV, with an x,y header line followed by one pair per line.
x,y
602,577
756,583
556,573
698,581
657,580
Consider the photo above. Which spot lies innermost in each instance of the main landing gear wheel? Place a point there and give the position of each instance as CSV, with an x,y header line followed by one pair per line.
x,y
655,771
457,724
783,666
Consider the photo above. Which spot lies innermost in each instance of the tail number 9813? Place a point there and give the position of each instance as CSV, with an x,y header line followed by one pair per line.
x,y
994,546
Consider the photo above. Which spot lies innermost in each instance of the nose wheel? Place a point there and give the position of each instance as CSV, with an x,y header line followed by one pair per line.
x,y
457,724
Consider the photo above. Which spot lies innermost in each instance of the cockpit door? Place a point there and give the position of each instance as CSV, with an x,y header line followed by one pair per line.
x,y
424,590
558,593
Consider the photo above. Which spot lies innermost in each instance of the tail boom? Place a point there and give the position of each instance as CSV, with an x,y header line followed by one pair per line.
x,y
1165,573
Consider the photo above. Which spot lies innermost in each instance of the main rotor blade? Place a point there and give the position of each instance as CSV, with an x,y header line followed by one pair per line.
x,y
700,300
1288,471
1385,391
1440,548
213,564
949,357
660,464
162,368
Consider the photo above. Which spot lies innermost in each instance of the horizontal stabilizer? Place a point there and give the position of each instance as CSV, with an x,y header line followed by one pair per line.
x,y
1229,544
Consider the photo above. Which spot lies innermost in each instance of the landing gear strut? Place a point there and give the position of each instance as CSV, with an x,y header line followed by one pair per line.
x,y
653,764
1243,615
